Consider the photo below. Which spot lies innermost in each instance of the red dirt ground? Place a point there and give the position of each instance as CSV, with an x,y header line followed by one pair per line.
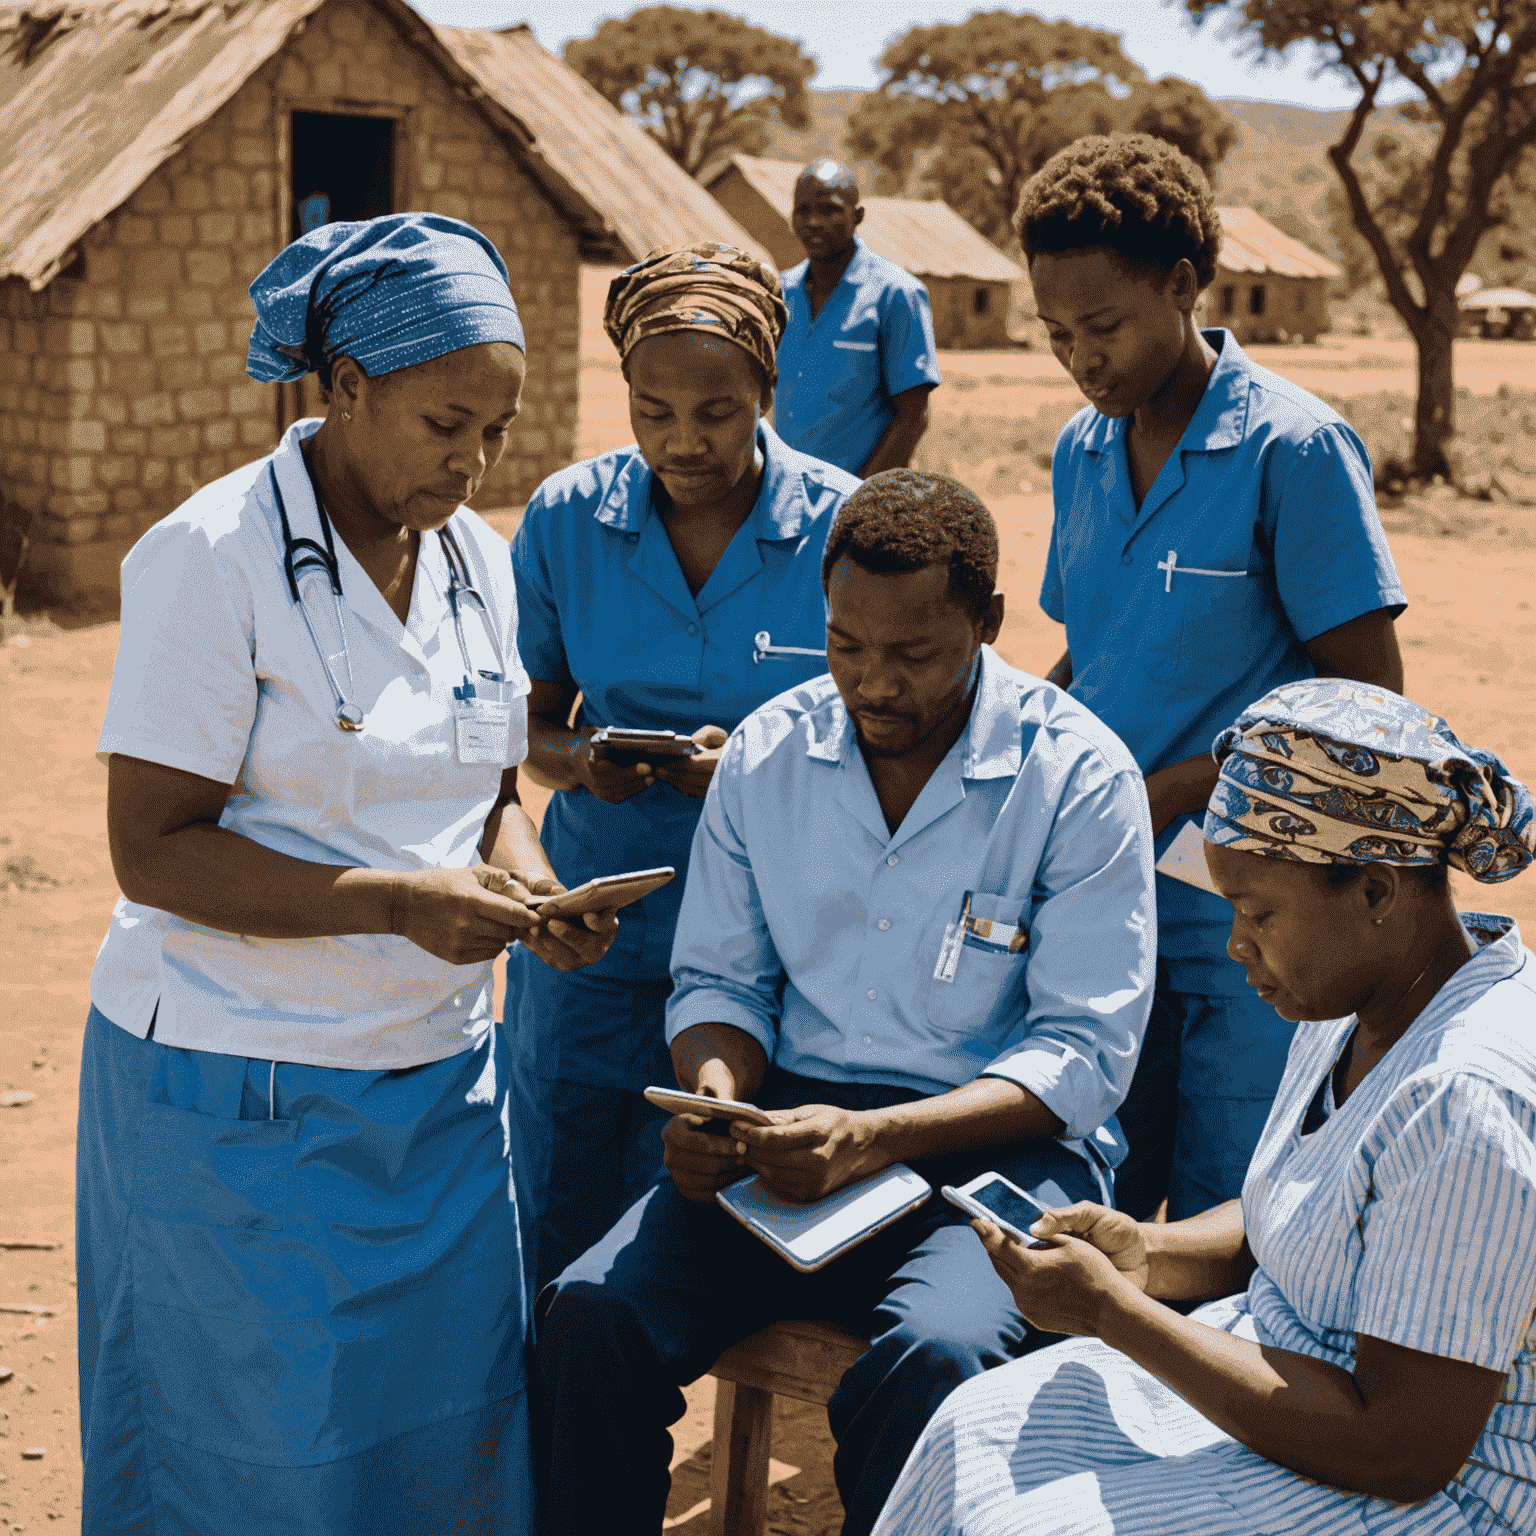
x,y
1469,636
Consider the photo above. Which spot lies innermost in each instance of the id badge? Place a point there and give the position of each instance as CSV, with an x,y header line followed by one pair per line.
x,y
483,728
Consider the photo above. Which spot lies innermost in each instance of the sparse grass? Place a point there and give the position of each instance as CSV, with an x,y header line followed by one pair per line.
x,y
1494,447
999,455
996,455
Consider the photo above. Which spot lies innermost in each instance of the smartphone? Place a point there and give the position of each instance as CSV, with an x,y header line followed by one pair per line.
x,y
605,892
991,1197
676,1102
626,747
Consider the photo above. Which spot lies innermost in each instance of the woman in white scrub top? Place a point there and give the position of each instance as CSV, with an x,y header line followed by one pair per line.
x,y
300,1276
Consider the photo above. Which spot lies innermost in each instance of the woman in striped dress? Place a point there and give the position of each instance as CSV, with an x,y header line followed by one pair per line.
x,y
1377,1376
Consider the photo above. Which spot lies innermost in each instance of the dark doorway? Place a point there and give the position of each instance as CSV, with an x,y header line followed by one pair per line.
x,y
343,168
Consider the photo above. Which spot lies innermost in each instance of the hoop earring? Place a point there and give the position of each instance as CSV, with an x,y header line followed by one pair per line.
x,y
347,416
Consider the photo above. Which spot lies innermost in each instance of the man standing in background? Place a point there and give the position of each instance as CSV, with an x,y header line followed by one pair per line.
x,y
857,360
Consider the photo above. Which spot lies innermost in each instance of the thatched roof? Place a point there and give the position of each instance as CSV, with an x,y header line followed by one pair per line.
x,y
95,95
927,238
647,199
1250,243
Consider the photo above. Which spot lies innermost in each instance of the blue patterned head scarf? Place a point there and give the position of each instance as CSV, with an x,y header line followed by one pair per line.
x,y
1331,771
387,292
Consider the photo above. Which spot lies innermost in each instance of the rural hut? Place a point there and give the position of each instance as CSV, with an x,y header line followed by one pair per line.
x,y
159,153
967,277
1269,287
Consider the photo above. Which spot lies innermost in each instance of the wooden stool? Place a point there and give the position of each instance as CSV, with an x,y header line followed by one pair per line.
x,y
800,1360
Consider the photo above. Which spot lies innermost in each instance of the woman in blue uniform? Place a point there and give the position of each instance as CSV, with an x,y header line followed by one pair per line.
x,y
1215,536
300,1303
674,585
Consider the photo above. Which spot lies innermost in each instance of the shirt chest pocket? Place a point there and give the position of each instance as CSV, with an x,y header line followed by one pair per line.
x,y
855,361
978,966
1199,615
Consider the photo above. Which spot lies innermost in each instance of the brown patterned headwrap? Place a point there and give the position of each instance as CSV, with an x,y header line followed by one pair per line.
x,y
703,286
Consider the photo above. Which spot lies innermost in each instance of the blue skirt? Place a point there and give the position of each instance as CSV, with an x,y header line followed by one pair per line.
x,y
300,1292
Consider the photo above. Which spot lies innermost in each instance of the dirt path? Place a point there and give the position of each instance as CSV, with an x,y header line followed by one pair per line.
x,y
1469,634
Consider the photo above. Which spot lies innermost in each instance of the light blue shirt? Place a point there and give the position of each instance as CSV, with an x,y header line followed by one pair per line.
x,y
812,928
1266,515
838,372
603,607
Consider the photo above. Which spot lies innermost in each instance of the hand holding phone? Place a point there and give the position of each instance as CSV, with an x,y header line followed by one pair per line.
x,y
991,1197
603,894
676,1102
626,747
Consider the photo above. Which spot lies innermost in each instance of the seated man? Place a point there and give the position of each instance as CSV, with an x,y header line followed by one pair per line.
x,y
857,360
852,825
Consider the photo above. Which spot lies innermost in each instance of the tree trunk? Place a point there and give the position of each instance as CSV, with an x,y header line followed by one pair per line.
x,y
1435,414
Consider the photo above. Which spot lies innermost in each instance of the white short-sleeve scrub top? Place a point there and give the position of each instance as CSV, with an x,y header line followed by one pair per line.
x,y
217,675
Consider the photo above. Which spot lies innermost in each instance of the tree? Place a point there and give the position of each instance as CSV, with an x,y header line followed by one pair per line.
x,y
992,98
1469,65
704,84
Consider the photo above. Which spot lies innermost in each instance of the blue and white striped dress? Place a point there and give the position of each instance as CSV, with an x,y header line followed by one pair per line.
x,y
1408,1215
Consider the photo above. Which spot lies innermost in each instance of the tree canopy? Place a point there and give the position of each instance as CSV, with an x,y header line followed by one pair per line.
x,y
987,101
704,84
1420,208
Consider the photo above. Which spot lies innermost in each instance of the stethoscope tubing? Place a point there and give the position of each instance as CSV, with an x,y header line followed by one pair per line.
x,y
306,555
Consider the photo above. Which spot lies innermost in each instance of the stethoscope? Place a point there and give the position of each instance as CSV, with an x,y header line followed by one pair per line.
x,y
305,554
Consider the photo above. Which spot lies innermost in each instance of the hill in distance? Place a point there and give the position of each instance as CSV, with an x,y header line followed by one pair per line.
x,y
1279,165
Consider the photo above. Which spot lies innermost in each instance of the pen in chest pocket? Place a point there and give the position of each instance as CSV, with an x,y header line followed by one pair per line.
x,y
953,943
989,934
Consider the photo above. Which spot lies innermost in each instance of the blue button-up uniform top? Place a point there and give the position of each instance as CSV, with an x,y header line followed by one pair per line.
x,y
1259,534
811,927
603,606
871,340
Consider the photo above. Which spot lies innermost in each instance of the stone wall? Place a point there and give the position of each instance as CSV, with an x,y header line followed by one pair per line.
x,y
123,385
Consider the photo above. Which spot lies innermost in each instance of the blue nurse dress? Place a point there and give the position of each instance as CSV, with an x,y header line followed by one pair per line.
x,y
300,1284
603,607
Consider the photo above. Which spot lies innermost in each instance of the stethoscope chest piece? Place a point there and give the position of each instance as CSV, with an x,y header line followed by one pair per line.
x,y
348,717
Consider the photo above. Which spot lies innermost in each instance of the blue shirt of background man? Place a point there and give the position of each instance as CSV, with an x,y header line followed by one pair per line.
x,y
871,340
810,926
602,604
1267,481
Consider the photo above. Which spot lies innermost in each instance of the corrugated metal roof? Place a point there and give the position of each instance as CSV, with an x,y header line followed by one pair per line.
x,y
646,198
95,95
1498,298
1251,243
929,239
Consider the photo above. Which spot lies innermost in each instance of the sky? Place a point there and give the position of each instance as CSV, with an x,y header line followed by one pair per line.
x,y
846,36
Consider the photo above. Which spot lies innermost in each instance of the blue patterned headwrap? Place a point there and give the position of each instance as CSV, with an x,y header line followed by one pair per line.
x,y
387,292
1338,772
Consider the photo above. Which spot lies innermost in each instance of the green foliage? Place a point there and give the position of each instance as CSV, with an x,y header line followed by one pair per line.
x,y
1420,209
982,104
704,84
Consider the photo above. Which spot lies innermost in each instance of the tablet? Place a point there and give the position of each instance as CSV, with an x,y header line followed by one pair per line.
x,y
603,893
676,1102
809,1236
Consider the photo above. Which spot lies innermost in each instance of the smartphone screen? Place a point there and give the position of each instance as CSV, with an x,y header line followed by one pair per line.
x,y
1006,1204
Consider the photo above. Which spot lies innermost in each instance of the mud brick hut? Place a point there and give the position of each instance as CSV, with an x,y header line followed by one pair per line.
x,y
156,152
967,277
1268,286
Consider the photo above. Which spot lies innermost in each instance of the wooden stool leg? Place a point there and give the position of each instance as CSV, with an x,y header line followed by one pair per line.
x,y
738,1471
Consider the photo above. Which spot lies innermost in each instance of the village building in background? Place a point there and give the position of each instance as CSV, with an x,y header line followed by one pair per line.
x,y
1269,287
969,280
158,155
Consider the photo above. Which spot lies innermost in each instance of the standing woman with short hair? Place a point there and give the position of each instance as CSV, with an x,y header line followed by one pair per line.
x,y
675,584
300,1303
